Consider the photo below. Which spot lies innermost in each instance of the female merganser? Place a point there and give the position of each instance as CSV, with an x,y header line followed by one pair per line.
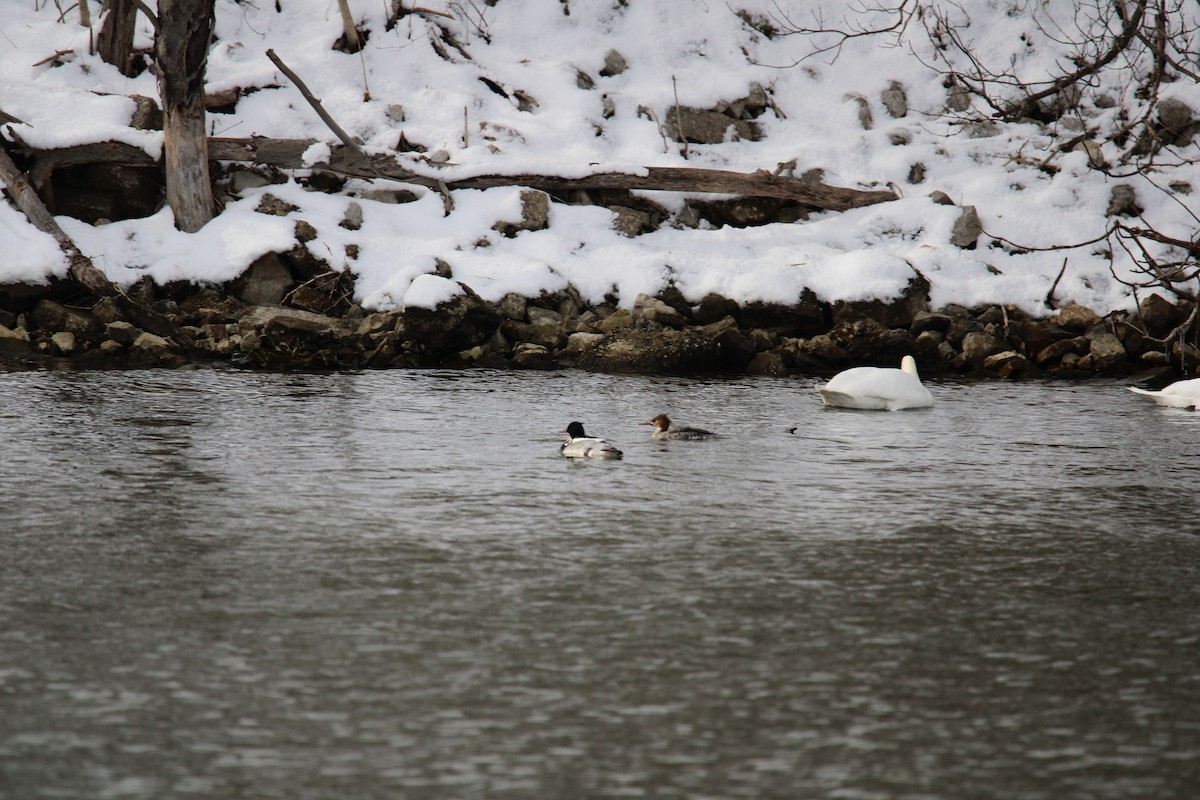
x,y
1180,394
663,430
580,445
878,388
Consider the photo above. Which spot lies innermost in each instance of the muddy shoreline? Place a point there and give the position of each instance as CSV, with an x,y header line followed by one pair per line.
x,y
315,326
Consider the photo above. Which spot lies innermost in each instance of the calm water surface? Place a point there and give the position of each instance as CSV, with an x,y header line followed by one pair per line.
x,y
219,584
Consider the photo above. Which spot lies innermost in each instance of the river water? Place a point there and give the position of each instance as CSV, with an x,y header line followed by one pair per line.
x,y
218,584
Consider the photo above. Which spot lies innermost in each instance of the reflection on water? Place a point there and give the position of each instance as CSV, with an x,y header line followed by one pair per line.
x,y
219,584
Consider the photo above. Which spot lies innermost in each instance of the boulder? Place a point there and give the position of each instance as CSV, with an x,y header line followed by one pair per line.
x,y
1077,318
735,349
53,317
807,317
458,324
769,363
898,313
532,356
535,214
14,339
1159,315
652,309
64,342
265,282
978,345
1106,348
967,229
659,351
701,126
289,319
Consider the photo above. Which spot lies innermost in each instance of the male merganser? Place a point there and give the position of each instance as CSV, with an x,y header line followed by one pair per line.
x,y
580,445
663,430
878,388
1180,394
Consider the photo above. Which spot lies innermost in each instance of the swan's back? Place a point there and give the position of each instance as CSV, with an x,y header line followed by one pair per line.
x,y
878,388
1181,394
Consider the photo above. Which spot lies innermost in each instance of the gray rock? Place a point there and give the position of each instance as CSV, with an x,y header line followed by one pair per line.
x,y
242,179
1159,314
378,322
978,345
652,309
535,214
147,116
1106,348
532,356
614,64
546,332
512,306
106,310
293,319
151,345
864,111
353,218
264,283
958,98
51,316
13,338
629,221
1177,117
1056,350
659,351
702,126
967,228
1007,364
64,342
768,363
272,206
1077,318
459,324
121,332
581,340
895,100
618,320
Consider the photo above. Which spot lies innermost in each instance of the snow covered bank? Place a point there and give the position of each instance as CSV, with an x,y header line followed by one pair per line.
x,y
528,86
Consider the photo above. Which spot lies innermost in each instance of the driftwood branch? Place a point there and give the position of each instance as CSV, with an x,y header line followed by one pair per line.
x,y
81,269
286,154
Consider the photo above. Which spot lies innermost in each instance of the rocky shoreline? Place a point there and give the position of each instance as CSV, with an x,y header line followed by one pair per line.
x,y
313,324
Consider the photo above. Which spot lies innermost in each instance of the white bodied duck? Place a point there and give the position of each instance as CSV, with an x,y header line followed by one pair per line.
x,y
879,388
1180,394
664,431
580,445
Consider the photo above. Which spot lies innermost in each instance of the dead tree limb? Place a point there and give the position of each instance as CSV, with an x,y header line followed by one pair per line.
x,y
81,269
287,154
320,109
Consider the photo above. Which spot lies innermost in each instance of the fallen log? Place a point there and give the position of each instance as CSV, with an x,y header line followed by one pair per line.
x,y
81,269
287,154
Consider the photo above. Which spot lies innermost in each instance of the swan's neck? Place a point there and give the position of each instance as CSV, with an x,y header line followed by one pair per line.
x,y
909,364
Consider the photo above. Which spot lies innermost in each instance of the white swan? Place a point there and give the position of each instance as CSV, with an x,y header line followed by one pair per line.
x,y
879,388
1180,394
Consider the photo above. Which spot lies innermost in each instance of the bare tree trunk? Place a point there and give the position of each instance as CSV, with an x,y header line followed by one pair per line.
x,y
116,35
181,49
